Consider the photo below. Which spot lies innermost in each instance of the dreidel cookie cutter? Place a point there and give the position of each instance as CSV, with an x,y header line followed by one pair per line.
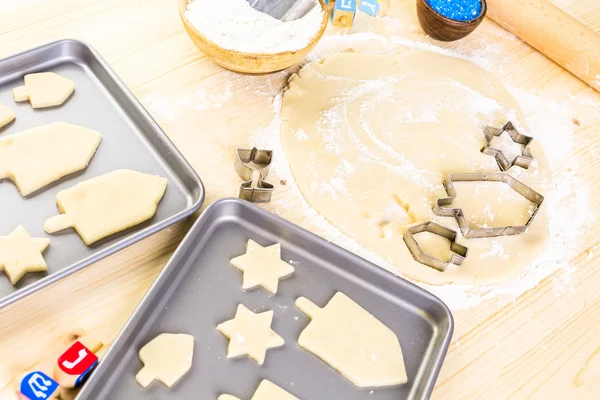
x,y
442,205
252,165
522,160
460,252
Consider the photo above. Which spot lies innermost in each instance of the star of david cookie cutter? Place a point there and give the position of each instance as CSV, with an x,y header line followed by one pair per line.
x,y
460,252
523,160
252,165
442,205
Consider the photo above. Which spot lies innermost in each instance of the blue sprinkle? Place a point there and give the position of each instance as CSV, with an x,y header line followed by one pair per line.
x,y
458,10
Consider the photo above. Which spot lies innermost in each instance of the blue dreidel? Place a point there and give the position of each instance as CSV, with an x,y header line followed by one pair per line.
x,y
344,12
370,7
38,386
76,363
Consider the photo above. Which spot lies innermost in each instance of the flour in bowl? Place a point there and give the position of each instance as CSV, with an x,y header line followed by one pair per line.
x,y
235,25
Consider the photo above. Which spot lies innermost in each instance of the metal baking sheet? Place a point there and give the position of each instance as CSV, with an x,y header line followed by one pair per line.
x,y
199,289
130,139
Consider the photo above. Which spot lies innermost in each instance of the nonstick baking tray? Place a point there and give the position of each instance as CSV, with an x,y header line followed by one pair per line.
x,y
130,139
199,289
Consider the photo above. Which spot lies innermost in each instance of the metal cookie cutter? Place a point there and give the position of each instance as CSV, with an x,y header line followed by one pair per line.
x,y
252,165
441,205
523,160
460,252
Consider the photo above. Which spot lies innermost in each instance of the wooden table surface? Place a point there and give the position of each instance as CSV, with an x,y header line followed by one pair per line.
x,y
542,345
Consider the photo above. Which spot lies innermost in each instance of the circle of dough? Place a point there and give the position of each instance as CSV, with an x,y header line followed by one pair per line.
x,y
363,131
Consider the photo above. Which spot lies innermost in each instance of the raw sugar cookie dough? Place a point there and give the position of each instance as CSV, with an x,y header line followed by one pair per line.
x,y
44,89
20,253
6,116
166,358
353,342
267,390
370,139
36,157
250,334
262,266
107,204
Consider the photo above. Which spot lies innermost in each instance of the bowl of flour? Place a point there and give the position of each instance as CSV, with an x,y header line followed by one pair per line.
x,y
242,39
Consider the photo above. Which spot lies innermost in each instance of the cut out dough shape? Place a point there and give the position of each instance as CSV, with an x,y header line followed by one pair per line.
x,y
20,254
352,341
6,116
39,156
266,390
250,334
262,266
44,89
107,204
359,128
166,358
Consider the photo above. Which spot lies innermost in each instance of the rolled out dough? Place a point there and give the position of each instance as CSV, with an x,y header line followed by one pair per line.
x,y
370,139
107,204
39,156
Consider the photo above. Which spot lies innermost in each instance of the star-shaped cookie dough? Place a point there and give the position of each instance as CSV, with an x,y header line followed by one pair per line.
x,y
20,253
262,266
250,334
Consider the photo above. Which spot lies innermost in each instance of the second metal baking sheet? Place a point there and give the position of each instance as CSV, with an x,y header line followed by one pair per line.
x,y
199,289
130,139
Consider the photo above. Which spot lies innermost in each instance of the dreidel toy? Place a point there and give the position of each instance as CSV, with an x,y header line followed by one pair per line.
x,y
344,12
75,364
37,386
370,7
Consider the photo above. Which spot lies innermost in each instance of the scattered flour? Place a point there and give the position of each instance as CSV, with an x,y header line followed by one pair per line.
x,y
235,25
550,124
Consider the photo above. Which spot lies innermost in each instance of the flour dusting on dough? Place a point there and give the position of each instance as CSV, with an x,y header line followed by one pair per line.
x,y
568,208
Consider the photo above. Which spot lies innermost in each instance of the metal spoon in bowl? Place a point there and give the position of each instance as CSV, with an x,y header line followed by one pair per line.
x,y
284,10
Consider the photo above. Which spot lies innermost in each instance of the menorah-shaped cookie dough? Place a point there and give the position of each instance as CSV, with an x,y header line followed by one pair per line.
x,y
107,204
39,156
44,89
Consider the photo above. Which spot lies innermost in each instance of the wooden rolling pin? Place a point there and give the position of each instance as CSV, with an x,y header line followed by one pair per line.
x,y
552,32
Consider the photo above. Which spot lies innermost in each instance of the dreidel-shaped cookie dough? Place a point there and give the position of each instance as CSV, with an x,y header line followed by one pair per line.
x,y
267,390
107,204
39,156
354,342
44,89
6,115
166,358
